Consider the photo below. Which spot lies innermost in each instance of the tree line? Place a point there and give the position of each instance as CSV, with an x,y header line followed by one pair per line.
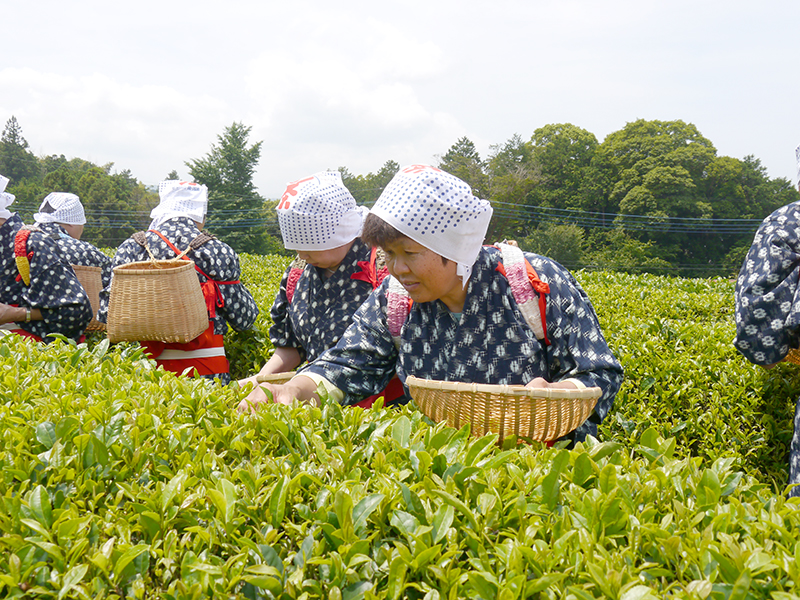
x,y
117,204
653,196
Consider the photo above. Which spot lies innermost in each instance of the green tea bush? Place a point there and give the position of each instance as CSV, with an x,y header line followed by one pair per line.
x,y
684,378
118,479
248,350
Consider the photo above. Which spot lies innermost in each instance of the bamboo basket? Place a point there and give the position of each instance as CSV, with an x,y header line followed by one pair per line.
x,y
91,280
541,414
156,300
276,378
793,356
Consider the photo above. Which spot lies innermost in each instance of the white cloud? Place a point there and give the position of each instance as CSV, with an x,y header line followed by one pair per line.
x,y
147,128
149,85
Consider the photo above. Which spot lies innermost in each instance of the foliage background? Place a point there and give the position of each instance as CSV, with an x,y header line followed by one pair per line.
x,y
652,197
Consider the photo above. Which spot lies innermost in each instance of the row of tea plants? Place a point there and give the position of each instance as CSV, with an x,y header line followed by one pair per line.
x,y
120,480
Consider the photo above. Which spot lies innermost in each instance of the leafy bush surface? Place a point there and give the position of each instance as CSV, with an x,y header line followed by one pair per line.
x,y
122,480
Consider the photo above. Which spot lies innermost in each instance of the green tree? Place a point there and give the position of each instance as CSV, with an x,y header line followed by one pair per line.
x,y
642,139
463,161
512,175
367,188
657,169
16,161
116,204
565,244
615,251
236,212
112,210
563,156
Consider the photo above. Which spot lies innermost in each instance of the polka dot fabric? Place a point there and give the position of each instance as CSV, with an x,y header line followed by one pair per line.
x,y
438,211
78,252
319,213
321,309
767,298
61,207
54,289
767,295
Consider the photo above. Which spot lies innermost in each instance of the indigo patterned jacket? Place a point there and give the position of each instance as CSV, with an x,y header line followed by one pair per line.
x,y
78,252
54,288
320,309
766,295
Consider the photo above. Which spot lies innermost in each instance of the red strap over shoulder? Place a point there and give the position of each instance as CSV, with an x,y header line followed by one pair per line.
x,y
210,287
291,282
524,294
21,255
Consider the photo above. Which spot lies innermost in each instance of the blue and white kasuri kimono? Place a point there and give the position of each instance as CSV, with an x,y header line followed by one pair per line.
x,y
489,342
768,306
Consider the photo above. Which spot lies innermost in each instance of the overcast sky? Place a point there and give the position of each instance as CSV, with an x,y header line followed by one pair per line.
x,y
150,85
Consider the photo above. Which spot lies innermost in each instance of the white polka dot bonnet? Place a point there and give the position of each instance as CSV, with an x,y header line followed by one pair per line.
x,y
180,199
438,211
797,158
61,207
319,213
5,199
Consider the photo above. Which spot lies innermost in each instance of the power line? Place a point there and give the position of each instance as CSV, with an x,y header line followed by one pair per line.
x,y
254,217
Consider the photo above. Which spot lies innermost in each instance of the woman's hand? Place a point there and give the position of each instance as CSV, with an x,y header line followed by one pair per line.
x,y
300,388
12,314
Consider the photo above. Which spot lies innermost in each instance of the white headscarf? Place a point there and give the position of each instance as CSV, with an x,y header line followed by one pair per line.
x,y
180,199
319,213
438,211
5,199
61,207
797,157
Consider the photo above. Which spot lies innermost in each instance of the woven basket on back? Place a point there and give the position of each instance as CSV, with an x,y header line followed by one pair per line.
x,y
156,300
91,280
541,414
793,356
276,378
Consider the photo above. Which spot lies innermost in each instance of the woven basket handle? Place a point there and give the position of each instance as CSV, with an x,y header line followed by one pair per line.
x,y
140,238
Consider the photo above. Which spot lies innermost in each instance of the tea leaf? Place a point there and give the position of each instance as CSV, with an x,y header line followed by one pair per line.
x,y
365,507
72,578
40,506
442,521
46,434
277,501
397,578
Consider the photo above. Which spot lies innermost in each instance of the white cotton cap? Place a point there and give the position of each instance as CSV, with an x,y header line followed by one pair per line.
x,y
61,207
180,199
437,210
6,199
797,158
319,213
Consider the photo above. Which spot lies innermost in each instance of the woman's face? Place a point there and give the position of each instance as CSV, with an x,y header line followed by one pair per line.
x,y
325,259
424,275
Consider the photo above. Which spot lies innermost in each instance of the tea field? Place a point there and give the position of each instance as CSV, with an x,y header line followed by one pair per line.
x,y
119,480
